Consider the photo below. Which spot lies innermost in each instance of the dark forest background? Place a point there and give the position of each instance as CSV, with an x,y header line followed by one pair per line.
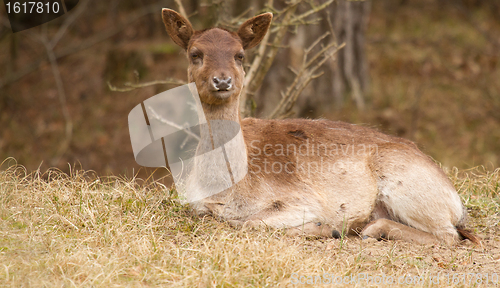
x,y
425,70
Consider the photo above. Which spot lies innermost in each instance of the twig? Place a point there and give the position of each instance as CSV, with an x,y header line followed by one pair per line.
x,y
68,21
132,86
311,11
182,11
299,20
62,99
257,61
332,30
155,115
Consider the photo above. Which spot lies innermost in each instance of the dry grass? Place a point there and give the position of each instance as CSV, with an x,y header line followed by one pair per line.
x,y
78,229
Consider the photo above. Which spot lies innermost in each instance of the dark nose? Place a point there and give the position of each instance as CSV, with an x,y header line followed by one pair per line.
x,y
223,84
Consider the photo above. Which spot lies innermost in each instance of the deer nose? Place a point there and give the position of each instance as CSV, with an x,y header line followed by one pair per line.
x,y
223,84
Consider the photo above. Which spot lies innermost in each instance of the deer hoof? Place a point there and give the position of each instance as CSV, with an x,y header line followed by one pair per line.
x,y
336,234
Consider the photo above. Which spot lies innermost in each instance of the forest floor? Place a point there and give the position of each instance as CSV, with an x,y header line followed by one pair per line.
x,y
77,229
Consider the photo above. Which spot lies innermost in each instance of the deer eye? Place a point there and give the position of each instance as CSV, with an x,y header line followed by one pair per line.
x,y
239,56
195,56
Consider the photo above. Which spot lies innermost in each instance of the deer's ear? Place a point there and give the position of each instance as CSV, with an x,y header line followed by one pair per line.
x,y
253,30
178,27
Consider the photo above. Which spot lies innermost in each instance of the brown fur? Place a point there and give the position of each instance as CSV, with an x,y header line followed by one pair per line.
x,y
380,186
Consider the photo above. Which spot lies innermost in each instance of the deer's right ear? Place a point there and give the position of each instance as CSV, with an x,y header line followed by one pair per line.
x,y
178,27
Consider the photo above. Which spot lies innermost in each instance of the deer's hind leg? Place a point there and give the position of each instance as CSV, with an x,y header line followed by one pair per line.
x,y
390,230
419,201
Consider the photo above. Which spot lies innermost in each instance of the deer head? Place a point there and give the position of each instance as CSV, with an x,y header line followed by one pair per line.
x,y
216,55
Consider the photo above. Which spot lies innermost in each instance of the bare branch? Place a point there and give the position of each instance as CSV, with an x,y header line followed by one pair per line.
x,y
62,99
330,26
67,22
131,86
271,44
257,61
71,49
265,63
155,115
182,11
304,76
311,11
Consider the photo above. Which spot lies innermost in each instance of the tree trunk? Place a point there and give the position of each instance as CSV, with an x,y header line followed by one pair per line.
x,y
351,68
348,74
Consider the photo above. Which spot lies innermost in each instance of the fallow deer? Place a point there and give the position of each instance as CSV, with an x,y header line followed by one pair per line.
x,y
380,186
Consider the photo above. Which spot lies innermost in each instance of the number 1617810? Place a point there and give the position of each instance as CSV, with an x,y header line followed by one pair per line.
x,y
33,7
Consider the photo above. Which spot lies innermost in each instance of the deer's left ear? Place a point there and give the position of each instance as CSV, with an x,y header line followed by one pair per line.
x,y
253,30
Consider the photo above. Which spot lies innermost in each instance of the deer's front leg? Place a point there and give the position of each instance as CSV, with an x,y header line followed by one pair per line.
x,y
311,228
296,221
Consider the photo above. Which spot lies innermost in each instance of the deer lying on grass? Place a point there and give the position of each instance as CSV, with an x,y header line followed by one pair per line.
x,y
381,186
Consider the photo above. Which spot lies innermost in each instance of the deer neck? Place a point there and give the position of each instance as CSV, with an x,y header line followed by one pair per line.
x,y
217,129
227,138
228,111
